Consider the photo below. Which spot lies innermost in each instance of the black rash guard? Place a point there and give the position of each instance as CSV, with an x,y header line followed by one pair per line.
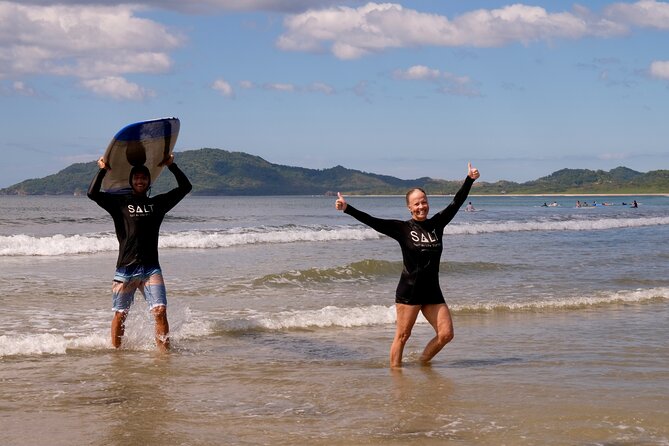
x,y
137,219
421,249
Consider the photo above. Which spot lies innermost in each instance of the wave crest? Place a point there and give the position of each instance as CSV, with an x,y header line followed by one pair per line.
x,y
59,244
235,322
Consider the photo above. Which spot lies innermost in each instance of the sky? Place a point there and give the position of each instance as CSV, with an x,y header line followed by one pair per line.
x,y
407,88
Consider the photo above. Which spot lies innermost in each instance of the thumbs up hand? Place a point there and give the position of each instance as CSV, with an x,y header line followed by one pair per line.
x,y
473,172
340,204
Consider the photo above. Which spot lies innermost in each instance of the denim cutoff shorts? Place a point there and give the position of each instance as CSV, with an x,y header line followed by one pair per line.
x,y
148,279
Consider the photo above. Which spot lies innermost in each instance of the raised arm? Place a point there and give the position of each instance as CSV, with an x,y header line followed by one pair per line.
x,y
445,216
96,184
171,198
183,184
391,228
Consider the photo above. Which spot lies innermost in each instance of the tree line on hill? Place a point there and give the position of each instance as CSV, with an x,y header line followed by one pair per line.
x,y
221,172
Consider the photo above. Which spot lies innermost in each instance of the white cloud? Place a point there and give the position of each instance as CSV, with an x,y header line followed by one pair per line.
x,y
347,51
320,87
314,87
644,13
660,69
417,72
351,33
449,82
223,87
117,88
22,88
205,6
88,42
278,86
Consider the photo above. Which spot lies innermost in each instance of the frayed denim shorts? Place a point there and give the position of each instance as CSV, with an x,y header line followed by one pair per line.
x,y
147,279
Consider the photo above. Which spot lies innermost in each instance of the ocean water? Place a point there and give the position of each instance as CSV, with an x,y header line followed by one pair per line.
x,y
282,314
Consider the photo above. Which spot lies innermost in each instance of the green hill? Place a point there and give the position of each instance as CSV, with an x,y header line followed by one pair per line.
x,y
71,180
620,180
220,172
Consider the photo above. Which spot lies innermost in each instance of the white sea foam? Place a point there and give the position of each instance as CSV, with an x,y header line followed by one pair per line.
x,y
329,316
137,338
224,239
564,225
187,325
89,336
49,344
332,316
571,302
55,245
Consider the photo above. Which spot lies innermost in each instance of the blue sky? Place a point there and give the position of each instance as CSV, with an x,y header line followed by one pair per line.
x,y
409,89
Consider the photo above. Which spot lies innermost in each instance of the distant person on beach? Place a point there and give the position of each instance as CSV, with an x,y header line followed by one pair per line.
x,y
469,207
420,239
635,204
137,218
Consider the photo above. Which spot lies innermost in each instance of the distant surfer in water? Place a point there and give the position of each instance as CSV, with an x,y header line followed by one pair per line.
x,y
418,290
137,218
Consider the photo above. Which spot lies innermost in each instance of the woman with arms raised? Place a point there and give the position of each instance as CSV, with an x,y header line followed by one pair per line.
x,y
418,290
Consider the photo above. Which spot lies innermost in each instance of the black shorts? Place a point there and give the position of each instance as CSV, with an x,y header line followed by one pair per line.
x,y
420,300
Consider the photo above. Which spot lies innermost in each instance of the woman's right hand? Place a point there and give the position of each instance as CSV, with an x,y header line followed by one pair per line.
x,y
340,204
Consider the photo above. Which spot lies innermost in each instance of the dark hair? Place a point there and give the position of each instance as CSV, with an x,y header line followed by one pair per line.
x,y
411,191
139,169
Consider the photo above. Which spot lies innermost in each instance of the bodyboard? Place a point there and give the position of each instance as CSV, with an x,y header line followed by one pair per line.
x,y
146,143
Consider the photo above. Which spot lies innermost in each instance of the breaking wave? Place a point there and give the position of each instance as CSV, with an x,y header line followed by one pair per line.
x,y
189,325
59,244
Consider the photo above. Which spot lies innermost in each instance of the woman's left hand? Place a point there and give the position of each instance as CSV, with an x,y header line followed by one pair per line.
x,y
473,172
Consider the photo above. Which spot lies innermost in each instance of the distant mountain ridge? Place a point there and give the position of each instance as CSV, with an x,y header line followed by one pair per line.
x,y
619,180
221,172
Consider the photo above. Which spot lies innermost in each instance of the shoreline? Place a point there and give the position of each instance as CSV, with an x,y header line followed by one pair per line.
x,y
571,195
377,195
508,195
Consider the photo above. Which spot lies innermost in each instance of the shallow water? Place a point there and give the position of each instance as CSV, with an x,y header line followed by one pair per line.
x,y
281,313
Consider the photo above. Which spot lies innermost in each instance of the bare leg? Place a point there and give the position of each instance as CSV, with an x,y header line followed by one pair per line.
x,y
162,327
406,318
118,328
154,290
439,316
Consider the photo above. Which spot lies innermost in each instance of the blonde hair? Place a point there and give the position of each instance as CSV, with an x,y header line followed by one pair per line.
x,y
411,191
